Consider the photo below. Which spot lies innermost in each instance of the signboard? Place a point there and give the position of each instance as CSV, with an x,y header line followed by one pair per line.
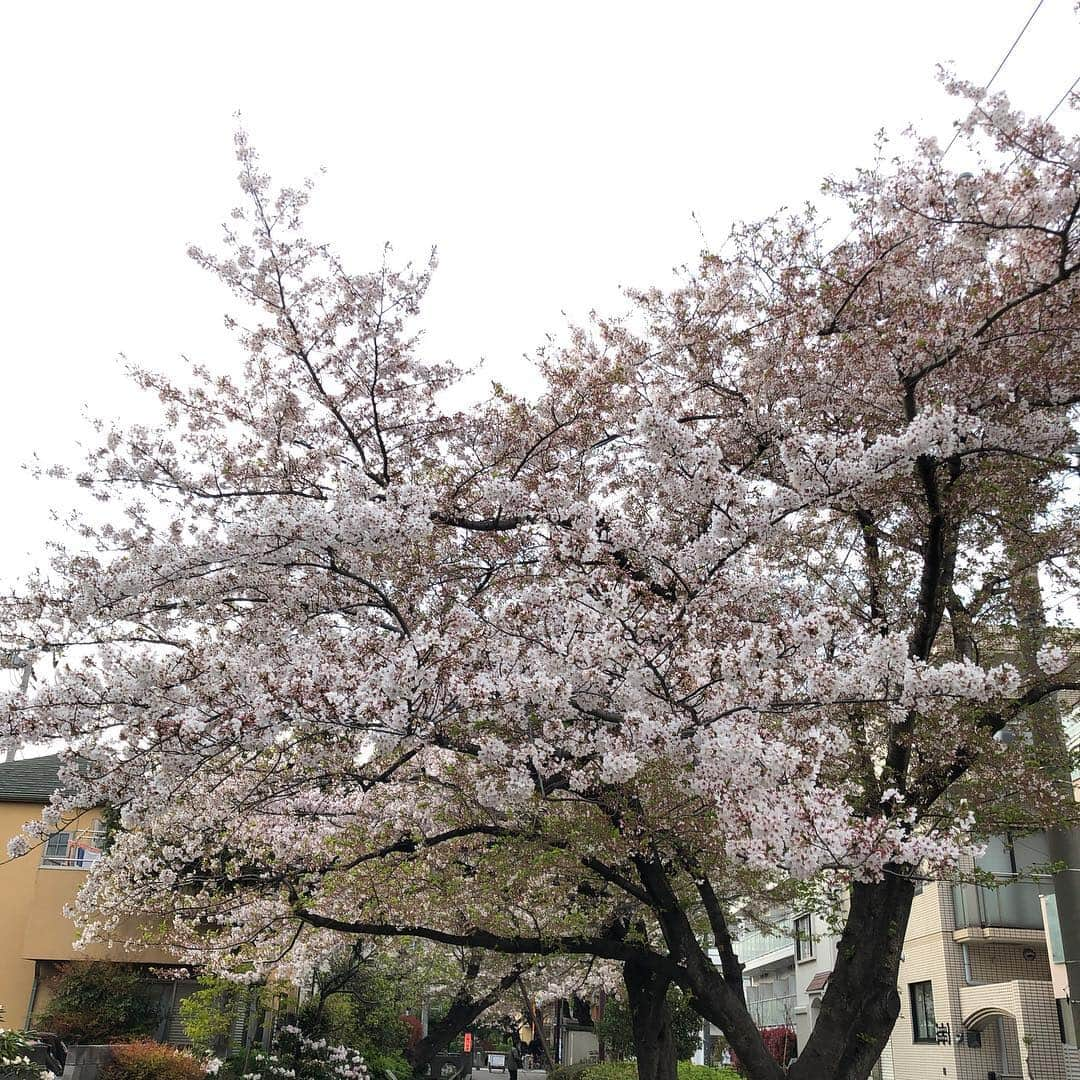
x,y
468,1042
964,1037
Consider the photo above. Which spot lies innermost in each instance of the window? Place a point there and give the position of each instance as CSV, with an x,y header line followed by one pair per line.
x,y
73,849
804,938
56,849
922,1012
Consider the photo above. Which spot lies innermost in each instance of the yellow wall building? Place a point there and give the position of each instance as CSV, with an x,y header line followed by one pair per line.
x,y
35,933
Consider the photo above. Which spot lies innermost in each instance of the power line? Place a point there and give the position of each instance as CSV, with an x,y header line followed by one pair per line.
x,y
997,70
1062,99
989,83
1046,119
1005,58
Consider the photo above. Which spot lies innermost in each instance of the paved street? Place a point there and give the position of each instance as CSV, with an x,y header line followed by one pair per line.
x,y
495,1074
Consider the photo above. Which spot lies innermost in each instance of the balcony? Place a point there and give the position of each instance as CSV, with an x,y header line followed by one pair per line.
x,y
1011,912
760,950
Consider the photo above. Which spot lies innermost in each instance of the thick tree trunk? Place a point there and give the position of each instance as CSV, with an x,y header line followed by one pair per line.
x,y
654,1041
861,1004
716,995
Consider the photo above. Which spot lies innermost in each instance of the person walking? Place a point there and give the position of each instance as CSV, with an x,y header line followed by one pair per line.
x,y
513,1060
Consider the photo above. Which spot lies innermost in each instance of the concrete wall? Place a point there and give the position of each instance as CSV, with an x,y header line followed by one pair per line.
x,y
48,933
580,1046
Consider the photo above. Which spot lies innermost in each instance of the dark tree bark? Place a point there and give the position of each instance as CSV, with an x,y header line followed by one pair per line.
x,y
861,1004
654,1041
716,995
859,1008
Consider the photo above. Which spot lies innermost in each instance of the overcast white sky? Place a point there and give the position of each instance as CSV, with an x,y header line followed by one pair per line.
x,y
552,151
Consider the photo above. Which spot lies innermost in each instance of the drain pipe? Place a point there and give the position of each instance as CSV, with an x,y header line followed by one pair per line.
x,y
33,996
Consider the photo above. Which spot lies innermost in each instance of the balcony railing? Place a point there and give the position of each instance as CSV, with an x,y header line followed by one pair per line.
x,y
771,1012
751,946
73,850
1013,904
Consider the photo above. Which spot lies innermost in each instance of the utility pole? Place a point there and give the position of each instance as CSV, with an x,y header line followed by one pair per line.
x,y
537,1026
16,661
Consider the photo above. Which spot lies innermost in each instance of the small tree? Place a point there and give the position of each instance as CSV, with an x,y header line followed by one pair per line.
x,y
209,1013
359,1004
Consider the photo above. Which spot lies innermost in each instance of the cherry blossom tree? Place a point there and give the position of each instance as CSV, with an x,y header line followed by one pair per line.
x,y
723,610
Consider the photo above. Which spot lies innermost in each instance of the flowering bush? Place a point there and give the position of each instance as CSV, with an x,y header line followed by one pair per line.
x,y
781,1043
14,1060
297,1057
147,1060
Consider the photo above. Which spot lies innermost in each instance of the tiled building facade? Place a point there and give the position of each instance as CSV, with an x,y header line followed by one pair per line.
x,y
980,972
989,996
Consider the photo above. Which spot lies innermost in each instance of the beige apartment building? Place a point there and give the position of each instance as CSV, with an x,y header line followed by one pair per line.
x,y
977,993
981,977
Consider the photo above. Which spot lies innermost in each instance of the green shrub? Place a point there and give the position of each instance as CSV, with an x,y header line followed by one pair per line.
x,y
611,1070
689,1071
151,1061
365,1018
569,1072
627,1070
97,1001
379,1065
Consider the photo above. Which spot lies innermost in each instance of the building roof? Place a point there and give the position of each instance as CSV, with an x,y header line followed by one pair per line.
x,y
818,982
32,780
